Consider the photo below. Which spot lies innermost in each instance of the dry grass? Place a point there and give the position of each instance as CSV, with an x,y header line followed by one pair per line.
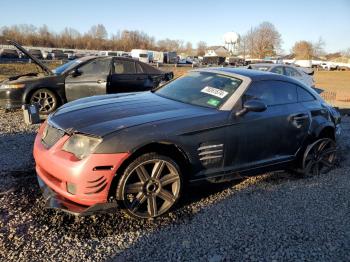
x,y
7,70
336,84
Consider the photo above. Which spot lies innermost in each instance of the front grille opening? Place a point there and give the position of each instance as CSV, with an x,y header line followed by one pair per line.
x,y
100,168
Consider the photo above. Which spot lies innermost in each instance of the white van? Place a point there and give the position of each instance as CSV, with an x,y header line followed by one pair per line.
x,y
158,57
140,54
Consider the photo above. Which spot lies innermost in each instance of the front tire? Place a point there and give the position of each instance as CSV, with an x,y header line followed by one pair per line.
x,y
45,99
150,186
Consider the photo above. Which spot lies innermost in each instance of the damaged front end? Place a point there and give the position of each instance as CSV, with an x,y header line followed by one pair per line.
x,y
56,201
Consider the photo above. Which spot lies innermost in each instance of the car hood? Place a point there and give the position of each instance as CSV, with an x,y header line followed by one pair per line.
x,y
102,115
34,59
23,78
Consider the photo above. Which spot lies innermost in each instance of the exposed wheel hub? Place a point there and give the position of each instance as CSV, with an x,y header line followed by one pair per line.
x,y
152,186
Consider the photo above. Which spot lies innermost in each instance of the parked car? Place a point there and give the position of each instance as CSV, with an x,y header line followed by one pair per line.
x,y
57,54
37,53
213,60
9,54
86,76
109,53
139,150
304,76
329,66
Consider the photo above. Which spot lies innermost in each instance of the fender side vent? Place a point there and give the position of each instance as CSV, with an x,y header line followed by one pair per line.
x,y
211,155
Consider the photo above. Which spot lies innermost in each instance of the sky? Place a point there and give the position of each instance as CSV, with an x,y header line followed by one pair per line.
x,y
191,20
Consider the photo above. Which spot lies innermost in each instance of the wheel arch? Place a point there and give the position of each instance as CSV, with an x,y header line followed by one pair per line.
x,y
27,94
164,148
325,131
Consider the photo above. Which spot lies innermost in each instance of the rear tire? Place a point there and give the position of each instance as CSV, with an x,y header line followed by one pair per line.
x,y
45,99
319,157
150,186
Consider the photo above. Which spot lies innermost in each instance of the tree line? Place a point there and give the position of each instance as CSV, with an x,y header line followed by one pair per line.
x,y
261,41
96,38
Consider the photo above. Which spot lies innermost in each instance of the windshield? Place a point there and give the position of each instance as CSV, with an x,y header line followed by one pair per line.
x,y
201,88
67,66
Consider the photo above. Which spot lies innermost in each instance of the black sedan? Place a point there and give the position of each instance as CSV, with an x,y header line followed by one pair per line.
x,y
87,76
138,150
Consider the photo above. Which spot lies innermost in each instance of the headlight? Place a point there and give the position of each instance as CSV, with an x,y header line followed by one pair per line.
x,y
80,145
8,86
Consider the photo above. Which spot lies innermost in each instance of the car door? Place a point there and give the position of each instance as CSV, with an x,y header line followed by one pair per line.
x,y
260,138
124,77
88,79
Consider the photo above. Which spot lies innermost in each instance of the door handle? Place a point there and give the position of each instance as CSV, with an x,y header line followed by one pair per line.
x,y
100,81
300,117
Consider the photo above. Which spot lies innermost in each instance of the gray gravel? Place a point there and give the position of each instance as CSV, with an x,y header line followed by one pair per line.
x,y
273,217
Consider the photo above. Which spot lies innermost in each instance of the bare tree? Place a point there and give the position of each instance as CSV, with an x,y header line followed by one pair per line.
x,y
261,41
170,45
98,31
267,40
303,50
318,47
201,48
189,49
346,53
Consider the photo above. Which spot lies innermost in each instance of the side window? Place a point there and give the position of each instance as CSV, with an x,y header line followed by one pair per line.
x,y
139,68
277,70
96,67
272,92
304,96
124,67
291,72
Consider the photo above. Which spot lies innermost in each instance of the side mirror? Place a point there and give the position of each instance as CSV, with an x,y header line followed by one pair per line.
x,y
76,72
252,106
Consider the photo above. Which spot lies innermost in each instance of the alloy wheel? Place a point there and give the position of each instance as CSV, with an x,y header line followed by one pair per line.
x,y
319,157
151,188
45,100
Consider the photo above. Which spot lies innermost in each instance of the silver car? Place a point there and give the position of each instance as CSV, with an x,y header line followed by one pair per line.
x,y
300,74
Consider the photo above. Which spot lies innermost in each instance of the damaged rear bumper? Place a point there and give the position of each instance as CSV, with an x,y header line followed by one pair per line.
x,y
55,201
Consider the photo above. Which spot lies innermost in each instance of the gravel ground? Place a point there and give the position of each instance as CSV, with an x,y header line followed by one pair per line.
x,y
273,217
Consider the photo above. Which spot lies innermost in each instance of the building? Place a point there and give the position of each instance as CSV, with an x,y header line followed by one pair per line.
x,y
217,51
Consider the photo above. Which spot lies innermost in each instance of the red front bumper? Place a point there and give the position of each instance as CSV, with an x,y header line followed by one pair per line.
x,y
91,177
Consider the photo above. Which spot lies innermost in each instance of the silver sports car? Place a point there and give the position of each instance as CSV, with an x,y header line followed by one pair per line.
x,y
297,73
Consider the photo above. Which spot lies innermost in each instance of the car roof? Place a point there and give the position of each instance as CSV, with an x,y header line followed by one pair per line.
x,y
254,75
146,67
271,65
264,64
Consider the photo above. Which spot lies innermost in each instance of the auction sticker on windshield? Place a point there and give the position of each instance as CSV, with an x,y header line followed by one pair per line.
x,y
214,91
